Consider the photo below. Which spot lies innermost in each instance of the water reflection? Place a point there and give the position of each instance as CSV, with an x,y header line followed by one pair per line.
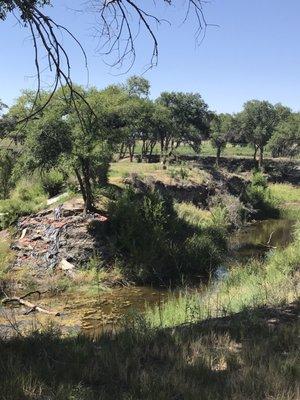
x,y
258,238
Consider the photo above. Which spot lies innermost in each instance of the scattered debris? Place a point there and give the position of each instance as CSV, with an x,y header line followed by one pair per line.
x,y
32,307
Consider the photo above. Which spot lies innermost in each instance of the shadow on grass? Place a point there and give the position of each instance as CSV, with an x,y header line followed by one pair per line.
x,y
250,355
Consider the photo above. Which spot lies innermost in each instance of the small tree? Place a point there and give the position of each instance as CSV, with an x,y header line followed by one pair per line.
x,y
72,134
7,162
221,127
190,118
258,120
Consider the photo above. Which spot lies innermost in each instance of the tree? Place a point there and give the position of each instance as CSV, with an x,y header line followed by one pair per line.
x,y
7,162
137,114
190,119
70,134
286,139
221,130
138,86
258,121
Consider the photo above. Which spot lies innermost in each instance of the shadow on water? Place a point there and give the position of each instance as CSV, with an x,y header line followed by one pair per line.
x,y
255,240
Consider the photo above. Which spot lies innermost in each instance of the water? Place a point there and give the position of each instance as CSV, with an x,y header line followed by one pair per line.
x,y
94,313
253,241
256,239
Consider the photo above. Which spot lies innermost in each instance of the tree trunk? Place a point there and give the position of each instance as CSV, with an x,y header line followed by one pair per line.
x,y
218,156
261,157
131,152
81,185
89,201
255,153
85,185
122,151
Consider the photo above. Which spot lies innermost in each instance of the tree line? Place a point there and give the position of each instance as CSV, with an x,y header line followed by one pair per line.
x,y
81,135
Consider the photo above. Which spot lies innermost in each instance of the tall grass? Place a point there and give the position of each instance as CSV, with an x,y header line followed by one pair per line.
x,y
273,281
285,193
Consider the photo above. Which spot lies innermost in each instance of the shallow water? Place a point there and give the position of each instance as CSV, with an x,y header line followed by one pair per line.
x,y
94,313
256,239
253,241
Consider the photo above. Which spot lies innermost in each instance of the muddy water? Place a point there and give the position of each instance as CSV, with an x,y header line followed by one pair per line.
x,y
96,312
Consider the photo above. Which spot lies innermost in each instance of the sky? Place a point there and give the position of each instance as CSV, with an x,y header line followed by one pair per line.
x,y
253,52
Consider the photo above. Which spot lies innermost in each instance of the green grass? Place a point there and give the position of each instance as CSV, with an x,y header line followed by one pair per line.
x,y
285,193
208,150
258,283
244,357
174,174
6,257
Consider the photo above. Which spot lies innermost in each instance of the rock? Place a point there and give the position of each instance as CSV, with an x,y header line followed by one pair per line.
x,y
65,265
23,233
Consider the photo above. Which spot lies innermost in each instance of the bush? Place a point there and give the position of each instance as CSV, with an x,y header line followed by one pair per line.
x,y
52,182
259,196
25,199
227,210
155,244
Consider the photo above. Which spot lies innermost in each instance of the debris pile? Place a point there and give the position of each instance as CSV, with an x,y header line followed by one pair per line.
x,y
57,238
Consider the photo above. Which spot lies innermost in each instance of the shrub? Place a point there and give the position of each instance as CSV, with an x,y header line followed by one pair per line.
x,y
6,258
52,182
7,162
227,210
25,199
156,245
260,198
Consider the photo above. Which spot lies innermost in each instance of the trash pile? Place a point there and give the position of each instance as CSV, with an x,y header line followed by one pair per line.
x,y
56,238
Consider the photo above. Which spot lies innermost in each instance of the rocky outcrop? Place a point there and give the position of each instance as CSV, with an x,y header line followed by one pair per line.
x,y
47,241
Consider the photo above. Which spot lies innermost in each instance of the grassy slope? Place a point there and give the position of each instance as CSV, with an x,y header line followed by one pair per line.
x,y
271,282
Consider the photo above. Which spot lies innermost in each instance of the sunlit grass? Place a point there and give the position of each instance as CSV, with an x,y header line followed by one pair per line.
x,y
285,193
259,283
174,174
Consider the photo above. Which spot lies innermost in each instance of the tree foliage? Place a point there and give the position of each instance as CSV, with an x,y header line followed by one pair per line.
x,y
286,139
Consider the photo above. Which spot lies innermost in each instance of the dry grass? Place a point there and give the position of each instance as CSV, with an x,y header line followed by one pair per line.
x,y
173,175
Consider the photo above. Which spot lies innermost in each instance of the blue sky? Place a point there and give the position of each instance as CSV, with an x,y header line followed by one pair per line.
x,y
254,53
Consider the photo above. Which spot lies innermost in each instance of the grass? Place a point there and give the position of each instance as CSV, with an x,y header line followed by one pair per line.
x,y
6,257
244,357
208,150
259,283
175,174
285,193
193,214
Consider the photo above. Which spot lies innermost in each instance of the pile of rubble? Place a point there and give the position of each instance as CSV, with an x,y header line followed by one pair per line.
x,y
56,238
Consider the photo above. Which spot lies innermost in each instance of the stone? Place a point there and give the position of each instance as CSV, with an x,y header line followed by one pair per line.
x,y
65,265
